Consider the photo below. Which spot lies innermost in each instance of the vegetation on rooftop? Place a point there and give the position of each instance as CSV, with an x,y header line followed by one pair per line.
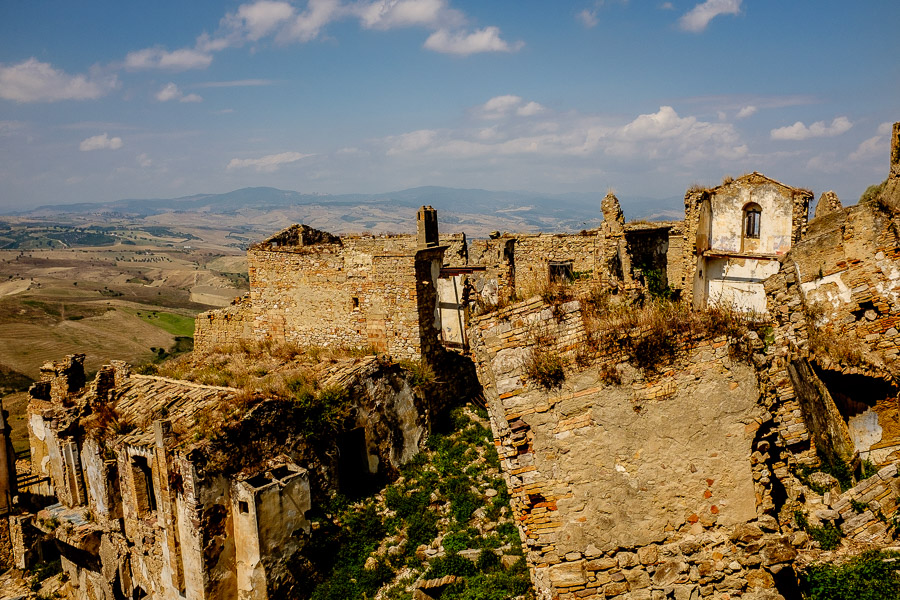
x,y
651,334
872,193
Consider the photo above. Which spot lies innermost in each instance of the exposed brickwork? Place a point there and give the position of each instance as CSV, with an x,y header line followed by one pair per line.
x,y
605,510
315,289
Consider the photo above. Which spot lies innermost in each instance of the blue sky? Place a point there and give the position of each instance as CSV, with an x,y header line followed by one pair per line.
x,y
106,100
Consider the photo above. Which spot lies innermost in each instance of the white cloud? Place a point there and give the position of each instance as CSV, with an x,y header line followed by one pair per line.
x,y
499,107
261,18
662,136
8,128
307,25
799,131
35,81
410,142
266,164
667,6
386,14
530,109
589,17
144,160
464,44
235,83
254,21
876,146
747,111
170,91
696,19
177,60
100,142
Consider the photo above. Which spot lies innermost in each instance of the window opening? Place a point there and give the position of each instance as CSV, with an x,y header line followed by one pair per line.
x,y
561,271
143,484
752,214
243,507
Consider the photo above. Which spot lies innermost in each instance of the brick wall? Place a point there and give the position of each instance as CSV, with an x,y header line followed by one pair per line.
x,y
356,291
661,482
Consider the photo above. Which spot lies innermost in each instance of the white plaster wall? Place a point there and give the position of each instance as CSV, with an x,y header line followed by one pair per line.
x,y
435,278
864,430
738,282
449,297
830,289
775,221
251,576
95,477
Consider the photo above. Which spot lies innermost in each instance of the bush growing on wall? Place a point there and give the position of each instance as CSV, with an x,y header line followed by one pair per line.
x,y
872,575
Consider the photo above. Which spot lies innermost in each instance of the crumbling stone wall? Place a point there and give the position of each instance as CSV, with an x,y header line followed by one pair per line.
x,y
891,192
167,508
328,291
836,301
649,484
632,487
520,265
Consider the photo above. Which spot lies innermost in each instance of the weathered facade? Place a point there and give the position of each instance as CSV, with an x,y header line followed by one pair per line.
x,y
317,289
617,255
657,483
147,500
407,295
735,234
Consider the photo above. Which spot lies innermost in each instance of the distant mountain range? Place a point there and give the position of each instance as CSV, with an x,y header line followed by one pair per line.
x,y
265,207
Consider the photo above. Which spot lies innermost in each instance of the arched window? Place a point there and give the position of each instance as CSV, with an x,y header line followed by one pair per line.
x,y
752,213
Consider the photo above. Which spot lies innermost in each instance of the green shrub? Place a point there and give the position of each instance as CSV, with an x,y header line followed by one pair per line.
x,y
422,530
868,469
451,564
828,535
872,193
864,577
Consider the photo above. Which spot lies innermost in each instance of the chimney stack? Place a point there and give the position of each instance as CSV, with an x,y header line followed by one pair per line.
x,y
427,227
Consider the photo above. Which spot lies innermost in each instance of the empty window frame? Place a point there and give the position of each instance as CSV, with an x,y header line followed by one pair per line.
x,y
752,214
142,475
561,271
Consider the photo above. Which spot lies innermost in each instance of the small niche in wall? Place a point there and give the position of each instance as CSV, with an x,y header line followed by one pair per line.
x,y
243,507
355,301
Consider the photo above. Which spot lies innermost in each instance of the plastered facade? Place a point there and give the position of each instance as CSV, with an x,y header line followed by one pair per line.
x,y
726,261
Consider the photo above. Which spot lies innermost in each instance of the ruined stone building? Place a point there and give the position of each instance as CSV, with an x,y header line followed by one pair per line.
x,y
735,235
151,496
406,295
663,463
617,255
314,288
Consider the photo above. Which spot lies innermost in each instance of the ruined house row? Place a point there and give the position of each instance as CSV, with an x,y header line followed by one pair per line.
x,y
143,491
673,484
407,295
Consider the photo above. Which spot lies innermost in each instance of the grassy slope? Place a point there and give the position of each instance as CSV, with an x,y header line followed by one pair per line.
x,y
171,322
439,502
